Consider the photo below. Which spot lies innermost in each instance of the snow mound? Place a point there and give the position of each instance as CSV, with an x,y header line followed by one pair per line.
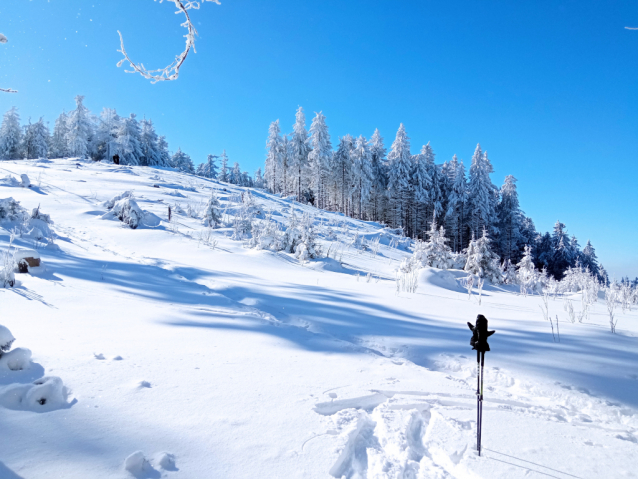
x,y
45,394
136,463
110,203
16,360
10,181
166,461
446,279
6,339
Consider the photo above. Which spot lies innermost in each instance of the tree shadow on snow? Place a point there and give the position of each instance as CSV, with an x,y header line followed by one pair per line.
x,y
6,473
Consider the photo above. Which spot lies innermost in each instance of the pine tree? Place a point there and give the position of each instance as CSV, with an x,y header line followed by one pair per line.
x,y
59,148
341,173
129,147
235,175
400,162
11,136
379,175
208,169
212,211
527,276
162,149
509,220
362,174
299,151
561,257
36,140
482,261
182,162
223,172
589,259
320,157
151,155
435,252
259,180
421,187
435,204
482,194
79,129
456,206
106,134
274,157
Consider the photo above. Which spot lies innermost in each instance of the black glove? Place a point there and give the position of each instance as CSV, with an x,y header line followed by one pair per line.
x,y
480,334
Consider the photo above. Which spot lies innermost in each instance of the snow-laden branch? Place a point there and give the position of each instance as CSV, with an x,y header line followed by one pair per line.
x,y
3,39
171,72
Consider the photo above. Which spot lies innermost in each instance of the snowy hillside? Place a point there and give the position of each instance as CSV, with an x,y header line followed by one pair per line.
x,y
216,359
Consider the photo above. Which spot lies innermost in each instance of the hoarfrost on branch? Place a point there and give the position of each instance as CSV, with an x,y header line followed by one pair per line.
x,y
171,72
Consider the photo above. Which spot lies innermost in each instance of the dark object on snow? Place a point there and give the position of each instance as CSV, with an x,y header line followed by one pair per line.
x,y
480,345
169,213
23,266
480,334
155,186
116,159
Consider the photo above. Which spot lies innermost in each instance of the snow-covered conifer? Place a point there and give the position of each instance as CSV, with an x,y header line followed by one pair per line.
x,y
151,155
235,175
340,173
399,167
223,172
421,189
299,151
589,259
182,161
510,275
79,129
274,157
455,216
509,220
362,175
259,179
379,175
162,148
36,140
435,252
106,133
319,158
129,147
527,276
212,212
59,148
208,169
482,193
482,261
11,135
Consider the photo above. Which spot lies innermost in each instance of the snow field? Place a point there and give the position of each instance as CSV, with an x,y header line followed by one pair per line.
x,y
250,363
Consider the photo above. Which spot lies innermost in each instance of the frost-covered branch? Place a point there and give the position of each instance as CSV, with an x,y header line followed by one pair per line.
x,y
171,72
3,39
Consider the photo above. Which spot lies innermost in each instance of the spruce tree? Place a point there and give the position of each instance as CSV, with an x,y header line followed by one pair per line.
x,y
589,259
509,220
106,134
421,189
362,175
455,216
379,175
223,172
482,261
79,129
59,147
182,162
162,148
320,157
299,151
36,140
341,173
399,166
11,136
208,169
129,147
149,144
482,194
274,157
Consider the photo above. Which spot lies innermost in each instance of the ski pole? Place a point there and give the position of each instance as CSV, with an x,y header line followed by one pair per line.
x,y
480,424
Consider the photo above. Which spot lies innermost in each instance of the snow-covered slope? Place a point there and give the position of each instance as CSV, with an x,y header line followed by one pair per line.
x,y
230,362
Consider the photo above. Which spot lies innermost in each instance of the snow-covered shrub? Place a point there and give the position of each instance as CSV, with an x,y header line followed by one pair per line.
x,y
7,267
266,235
36,214
212,211
10,181
10,210
611,296
128,212
6,339
509,272
434,252
527,276
407,276
109,204
481,261
357,241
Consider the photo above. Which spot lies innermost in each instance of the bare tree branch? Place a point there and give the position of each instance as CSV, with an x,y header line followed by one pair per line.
x,y
171,72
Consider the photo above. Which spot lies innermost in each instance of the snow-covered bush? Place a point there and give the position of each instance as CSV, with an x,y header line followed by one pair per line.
x,y
481,261
434,252
212,211
407,276
128,212
10,210
266,235
36,214
6,339
527,276
7,267
509,272
109,204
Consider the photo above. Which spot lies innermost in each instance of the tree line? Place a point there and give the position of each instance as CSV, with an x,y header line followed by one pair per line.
x,y
362,179
80,133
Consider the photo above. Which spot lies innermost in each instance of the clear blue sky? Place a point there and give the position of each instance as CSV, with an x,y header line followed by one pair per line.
x,y
549,88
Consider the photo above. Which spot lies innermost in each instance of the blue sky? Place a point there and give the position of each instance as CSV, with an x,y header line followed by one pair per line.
x,y
549,88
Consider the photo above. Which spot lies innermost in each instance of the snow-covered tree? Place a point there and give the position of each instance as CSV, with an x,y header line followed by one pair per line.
x,y
399,168
435,252
455,216
79,129
129,147
274,157
362,175
151,155
561,252
527,276
421,188
212,211
235,175
223,172
106,133
341,173
208,169
299,151
11,135
589,259
182,162
482,194
482,261
320,157
59,147
509,220
259,179
36,140
379,175
162,148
